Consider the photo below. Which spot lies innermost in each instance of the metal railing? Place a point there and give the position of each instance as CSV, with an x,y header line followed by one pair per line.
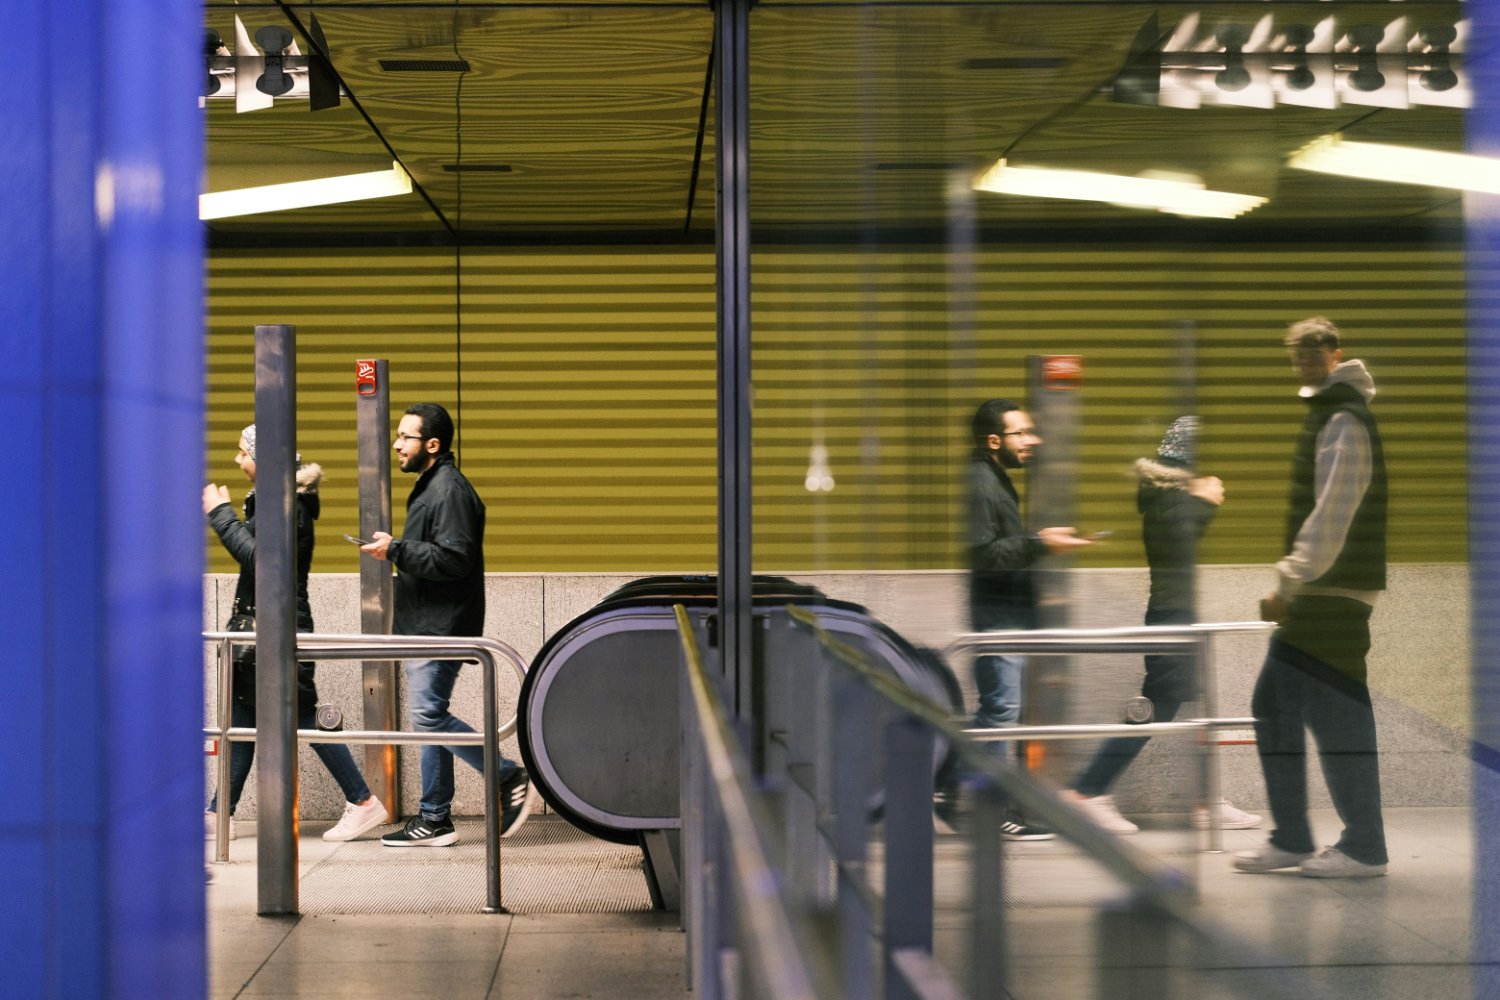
x,y
809,936
724,844
359,647
1194,639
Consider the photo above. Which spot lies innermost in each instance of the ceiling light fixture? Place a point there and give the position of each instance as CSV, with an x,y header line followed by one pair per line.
x,y
1177,196
1199,63
304,194
1374,161
281,72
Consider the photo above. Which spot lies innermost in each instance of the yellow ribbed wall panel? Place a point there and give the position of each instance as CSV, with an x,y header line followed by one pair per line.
x,y
587,387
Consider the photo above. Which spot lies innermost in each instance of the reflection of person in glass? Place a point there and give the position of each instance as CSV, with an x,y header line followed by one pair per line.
x,y
1001,553
1176,507
362,811
1314,675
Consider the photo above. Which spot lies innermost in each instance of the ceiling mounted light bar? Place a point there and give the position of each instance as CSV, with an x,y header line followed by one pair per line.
x,y
1177,197
1286,59
304,194
1375,161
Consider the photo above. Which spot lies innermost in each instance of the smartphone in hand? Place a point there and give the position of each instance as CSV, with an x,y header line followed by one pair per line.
x,y
355,541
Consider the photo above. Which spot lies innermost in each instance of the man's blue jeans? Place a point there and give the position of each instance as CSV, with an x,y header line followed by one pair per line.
x,y
998,680
429,686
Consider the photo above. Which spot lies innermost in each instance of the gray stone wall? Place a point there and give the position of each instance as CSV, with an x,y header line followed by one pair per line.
x,y
1419,672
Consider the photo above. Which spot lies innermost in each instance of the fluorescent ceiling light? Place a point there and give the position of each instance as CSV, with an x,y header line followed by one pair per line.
x,y
1178,197
1401,164
303,194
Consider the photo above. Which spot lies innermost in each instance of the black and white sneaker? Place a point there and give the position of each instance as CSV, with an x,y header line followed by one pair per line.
x,y
1016,828
515,801
419,832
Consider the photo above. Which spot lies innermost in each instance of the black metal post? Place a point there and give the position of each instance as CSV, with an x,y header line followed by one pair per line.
x,y
732,138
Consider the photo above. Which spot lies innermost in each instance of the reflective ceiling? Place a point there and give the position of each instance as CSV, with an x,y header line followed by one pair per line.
x,y
594,120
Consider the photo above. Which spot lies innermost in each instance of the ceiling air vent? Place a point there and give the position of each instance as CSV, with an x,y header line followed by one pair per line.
x,y
1016,62
425,65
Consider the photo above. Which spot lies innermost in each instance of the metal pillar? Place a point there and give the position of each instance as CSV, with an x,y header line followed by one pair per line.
x,y
276,618
1052,388
372,405
1482,218
732,142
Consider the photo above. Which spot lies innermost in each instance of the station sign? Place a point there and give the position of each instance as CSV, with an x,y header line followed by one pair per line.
x,y
1062,371
364,378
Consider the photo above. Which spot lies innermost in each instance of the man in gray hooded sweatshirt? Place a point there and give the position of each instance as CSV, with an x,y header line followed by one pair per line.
x,y
1314,675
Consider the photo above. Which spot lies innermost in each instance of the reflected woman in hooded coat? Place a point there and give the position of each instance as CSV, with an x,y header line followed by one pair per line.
x,y
1176,506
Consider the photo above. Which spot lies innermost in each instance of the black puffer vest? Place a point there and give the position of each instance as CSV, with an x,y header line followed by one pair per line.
x,y
1361,563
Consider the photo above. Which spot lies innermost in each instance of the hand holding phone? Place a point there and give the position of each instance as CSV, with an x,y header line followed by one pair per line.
x,y
354,540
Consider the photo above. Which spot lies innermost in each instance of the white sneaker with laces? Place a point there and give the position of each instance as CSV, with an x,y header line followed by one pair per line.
x,y
357,820
210,826
1230,818
1101,809
1268,858
1334,863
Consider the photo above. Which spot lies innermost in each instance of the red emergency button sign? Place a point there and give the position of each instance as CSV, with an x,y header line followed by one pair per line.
x,y
1062,371
364,378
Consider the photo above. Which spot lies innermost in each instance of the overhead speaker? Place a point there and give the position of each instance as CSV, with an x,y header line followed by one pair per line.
x,y
322,81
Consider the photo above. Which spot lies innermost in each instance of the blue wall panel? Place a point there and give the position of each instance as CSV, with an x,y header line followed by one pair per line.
x,y
1482,218
101,338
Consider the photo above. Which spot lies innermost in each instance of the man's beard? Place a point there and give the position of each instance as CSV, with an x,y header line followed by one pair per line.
x,y
418,463
1010,460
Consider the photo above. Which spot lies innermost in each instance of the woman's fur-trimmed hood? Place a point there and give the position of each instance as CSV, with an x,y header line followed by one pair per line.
x,y
1151,472
309,476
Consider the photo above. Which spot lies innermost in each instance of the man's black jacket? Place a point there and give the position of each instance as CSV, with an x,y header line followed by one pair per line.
x,y
439,558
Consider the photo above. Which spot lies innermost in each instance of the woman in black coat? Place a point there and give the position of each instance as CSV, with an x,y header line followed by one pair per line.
x,y
362,811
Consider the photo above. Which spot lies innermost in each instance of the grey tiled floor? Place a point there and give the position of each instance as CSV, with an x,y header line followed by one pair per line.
x,y
629,954
1408,936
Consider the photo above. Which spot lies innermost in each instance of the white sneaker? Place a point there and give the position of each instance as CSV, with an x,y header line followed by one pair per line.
x,y
357,820
1101,809
211,824
1268,859
1334,863
1230,818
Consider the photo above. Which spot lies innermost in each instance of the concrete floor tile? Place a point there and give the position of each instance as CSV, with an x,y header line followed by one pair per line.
x,y
1382,982
383,980
582,923
228,976
384,938
601,965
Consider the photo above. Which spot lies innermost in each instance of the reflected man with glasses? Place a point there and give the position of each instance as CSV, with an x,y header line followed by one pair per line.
x,y
1002,594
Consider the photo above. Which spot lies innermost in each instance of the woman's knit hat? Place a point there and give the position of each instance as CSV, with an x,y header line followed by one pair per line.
x,y
249,435
1180,443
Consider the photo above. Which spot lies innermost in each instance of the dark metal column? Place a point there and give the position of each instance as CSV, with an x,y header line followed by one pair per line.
x,y
276,618
372,404
732,139
1052,388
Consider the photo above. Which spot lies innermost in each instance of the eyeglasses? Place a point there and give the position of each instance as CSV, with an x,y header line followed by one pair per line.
x,y
1028,432
409,437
